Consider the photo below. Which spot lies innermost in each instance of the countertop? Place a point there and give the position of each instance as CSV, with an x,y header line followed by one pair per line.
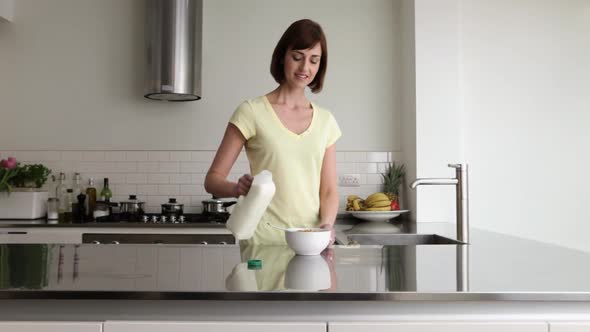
x,y
494,267
44,224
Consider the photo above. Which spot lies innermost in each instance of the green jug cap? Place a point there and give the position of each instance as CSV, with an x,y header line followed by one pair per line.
x,y
254,264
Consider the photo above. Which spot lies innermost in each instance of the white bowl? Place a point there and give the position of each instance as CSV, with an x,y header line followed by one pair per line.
x,y
307,273
308,241
377,215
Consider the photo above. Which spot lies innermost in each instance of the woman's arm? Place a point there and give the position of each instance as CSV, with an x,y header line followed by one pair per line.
x,y
216,182
328,189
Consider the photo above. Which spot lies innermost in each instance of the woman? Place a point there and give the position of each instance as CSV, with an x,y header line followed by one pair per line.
x,y
285,133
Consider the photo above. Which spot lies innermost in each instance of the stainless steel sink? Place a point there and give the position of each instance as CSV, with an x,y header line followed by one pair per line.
x,y
399,239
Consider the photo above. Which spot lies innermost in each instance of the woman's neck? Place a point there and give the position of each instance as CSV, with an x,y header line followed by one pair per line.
x,y
291,97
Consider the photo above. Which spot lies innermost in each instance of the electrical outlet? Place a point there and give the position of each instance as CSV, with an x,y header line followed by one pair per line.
x,y
349,180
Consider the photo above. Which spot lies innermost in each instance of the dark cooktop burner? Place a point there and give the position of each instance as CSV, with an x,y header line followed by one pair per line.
x,y
151,218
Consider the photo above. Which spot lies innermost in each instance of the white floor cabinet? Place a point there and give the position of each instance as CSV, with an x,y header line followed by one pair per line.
x,y
439,327
51,326
158,326
569,327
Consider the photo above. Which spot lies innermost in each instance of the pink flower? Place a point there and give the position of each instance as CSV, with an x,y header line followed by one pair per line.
x,y
8,164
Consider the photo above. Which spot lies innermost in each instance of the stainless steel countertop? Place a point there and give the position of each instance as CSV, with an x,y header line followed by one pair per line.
x,y
494,267
42,223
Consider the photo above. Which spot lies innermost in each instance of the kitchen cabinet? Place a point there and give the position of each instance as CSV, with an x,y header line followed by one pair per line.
x,y
439,326
158,326
569,326
51,326
6,10
39,235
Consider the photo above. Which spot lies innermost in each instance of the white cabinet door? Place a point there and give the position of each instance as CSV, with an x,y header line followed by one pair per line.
x,y
438,327
51,326
569,326
158,326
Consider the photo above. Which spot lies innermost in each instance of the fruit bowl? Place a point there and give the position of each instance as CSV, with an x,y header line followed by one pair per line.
x,y
377,215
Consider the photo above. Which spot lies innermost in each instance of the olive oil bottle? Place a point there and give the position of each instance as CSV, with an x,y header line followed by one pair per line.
x,y
90,199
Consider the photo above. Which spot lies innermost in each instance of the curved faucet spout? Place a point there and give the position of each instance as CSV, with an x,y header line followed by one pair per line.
x,y
433,181
461,193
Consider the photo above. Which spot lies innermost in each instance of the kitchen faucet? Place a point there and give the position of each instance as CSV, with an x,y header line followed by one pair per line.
x,y
462,194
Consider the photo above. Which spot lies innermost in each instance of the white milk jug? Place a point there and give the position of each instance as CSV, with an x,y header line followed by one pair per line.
x,y
248,211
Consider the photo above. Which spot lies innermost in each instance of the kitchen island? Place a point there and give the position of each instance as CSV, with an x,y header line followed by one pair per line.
x,y
496,278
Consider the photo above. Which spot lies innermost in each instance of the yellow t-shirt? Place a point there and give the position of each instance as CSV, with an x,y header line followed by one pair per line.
x,y
294,160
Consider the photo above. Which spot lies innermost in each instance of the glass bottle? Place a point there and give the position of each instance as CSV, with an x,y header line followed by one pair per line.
x,y
78,185
105,193
90,198
60,189
52,208
65,215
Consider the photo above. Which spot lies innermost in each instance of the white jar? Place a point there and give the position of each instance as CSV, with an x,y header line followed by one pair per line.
x,y
248,211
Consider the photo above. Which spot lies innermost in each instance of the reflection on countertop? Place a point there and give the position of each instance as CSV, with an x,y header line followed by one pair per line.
x,y
492,267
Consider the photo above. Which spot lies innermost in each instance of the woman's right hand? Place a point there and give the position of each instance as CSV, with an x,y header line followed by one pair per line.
x,y
243,185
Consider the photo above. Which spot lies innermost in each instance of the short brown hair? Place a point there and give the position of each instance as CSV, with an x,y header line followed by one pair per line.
x,y
300,35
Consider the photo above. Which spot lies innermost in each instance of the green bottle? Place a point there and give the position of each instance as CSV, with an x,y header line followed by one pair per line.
x,y
105,193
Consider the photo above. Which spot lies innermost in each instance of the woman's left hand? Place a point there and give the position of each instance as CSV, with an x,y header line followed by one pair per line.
x,y
332,234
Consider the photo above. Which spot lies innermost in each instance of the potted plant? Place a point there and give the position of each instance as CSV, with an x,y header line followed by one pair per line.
x,y
21,196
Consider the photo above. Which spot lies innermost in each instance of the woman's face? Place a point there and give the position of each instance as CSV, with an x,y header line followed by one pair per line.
x,y
301,66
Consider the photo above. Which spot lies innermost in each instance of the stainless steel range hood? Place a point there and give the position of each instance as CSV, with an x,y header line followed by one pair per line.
x,y
173,34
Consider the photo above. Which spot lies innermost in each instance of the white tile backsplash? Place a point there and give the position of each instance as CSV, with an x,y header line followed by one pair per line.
x,y
159,156
159,178
148,167
374,179
136,178
169,167
180,156
93,156
147,189
377,157
355,156
168,189
124,167
159,175
180,178
114,156
71,155
202,155
191,189
136,156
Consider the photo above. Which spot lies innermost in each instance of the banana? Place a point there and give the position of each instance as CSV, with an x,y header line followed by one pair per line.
x,y
383,203
379,208
356,206
376,197
351,198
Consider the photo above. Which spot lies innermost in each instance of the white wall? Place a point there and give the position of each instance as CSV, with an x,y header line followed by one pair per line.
x,y
408,98
527,101
523,81
438,104
72,73
6,10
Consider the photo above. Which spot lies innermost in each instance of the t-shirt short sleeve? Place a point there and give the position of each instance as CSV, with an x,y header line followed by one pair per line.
x,y
333,131
243,118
